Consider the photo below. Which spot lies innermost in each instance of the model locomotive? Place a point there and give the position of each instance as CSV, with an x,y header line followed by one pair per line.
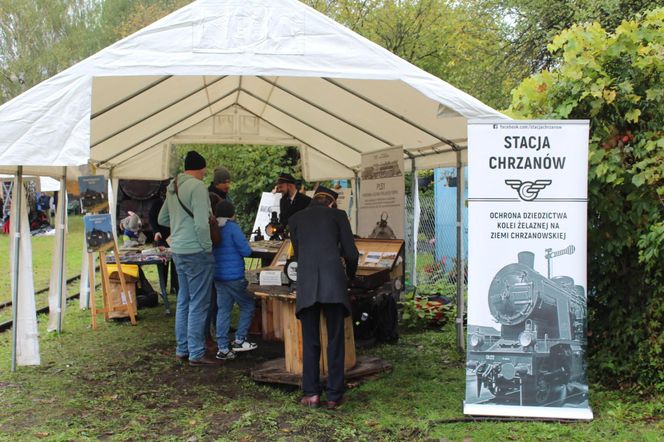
x,y
542,339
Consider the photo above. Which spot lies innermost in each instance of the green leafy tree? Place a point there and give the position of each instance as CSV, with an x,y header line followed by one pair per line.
x,y
533,23
38,39
458,42
254,169
617,81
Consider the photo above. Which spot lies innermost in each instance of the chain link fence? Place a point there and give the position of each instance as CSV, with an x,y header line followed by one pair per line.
x,y
435,270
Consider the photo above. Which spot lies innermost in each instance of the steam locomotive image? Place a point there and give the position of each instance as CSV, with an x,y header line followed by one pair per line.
x,y
538,358
98,238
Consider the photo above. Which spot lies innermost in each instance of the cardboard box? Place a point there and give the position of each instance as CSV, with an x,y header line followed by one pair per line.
x,y
117,298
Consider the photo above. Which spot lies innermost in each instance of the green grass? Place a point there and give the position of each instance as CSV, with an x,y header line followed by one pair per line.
x,y
42,254
121,383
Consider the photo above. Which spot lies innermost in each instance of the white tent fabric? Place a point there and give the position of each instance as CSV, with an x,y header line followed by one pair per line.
x,y
237,71
27,336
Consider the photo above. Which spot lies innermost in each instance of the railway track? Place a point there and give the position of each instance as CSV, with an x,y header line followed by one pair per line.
x,y
4,326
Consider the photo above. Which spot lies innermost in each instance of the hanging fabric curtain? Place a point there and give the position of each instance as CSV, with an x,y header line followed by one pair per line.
x,y
26,336
57,293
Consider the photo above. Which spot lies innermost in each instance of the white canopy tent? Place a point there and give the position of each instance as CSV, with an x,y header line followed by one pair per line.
x,y
237,72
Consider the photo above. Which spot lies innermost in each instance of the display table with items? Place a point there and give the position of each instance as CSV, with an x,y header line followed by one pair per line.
x,y
158,256
265,250
277,290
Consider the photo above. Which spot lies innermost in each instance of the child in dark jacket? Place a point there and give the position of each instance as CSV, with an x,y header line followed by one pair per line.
x,y
231,284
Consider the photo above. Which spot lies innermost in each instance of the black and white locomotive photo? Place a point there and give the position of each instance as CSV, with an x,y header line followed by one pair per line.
x,y
537,357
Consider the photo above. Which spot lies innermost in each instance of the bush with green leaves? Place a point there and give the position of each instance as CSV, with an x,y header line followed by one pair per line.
x,y
615,79
423,311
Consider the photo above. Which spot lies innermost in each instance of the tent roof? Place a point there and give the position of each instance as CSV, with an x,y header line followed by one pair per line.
x,y
237,71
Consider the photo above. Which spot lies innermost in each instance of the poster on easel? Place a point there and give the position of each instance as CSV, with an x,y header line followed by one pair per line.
x,y
94,193
382,195
98,232
526,342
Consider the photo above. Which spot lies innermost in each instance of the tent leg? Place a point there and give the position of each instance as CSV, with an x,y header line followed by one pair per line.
x,y
416,206
62,204
357,203
460,337
16,223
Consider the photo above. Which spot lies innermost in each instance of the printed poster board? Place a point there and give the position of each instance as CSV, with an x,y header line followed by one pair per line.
x,y
94,193
526,347
382,195
98,232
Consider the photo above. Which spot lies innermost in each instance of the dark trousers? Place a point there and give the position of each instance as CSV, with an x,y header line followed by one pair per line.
x,y
310,318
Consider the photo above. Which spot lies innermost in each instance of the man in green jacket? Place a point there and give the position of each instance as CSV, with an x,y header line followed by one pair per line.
x,y
186,211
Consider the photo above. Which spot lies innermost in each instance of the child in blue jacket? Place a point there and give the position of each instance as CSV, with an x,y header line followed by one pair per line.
x,y
231,284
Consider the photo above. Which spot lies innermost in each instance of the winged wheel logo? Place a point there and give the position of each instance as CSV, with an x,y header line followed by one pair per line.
x,y
528,190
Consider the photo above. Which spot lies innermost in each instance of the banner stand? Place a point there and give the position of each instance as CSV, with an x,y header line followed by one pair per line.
x,y
527,225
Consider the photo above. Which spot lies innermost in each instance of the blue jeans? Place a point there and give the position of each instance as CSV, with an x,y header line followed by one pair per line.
x,y
229,292
195,272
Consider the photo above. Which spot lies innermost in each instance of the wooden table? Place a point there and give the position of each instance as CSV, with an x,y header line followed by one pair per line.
x,y
279,322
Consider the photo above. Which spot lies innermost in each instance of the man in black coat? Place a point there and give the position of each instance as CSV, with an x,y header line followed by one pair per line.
x,y
321,237
291,200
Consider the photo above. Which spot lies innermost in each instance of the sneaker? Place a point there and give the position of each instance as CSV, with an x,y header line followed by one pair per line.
x,y
225,354
205,361
243,346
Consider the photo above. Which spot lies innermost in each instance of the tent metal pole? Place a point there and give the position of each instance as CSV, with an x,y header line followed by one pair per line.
x,y
170,126
152,114
129,97
159,144
333,114
299,120
298,139
357,202
415,194
62,205
450,143
460,261
16,204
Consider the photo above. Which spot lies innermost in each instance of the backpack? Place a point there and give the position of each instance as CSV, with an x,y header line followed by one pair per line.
x,y
376,319
146,296
386,316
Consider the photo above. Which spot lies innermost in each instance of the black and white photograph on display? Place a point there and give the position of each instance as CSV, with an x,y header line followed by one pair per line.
x,y
94,193
535,355
98,232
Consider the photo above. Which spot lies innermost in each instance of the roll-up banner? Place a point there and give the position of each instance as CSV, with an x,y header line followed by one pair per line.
x,y
526,348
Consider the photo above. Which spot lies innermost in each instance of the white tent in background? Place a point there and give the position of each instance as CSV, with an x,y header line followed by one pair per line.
x,y
238,72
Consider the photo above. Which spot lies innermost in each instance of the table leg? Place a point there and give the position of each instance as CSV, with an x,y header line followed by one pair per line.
x,y
162,269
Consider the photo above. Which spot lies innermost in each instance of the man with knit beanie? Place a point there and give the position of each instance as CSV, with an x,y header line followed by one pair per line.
x,y
186,211
221,183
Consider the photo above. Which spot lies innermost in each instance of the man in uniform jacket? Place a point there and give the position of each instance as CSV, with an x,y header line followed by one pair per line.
x,y
321,237
291,200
